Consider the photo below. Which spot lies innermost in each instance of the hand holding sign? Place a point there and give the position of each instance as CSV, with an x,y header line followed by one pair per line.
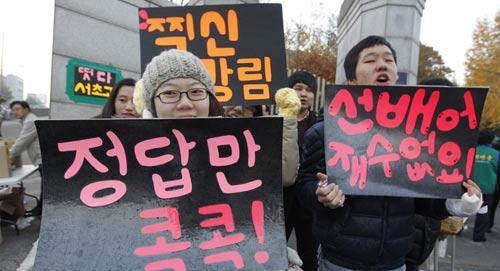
x,y
469,204
472,188
329,195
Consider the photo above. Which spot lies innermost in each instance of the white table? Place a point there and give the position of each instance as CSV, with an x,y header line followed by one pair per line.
x,y
18,176
16,179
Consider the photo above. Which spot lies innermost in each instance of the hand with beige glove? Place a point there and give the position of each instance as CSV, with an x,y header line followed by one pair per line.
x,y
288,103
288,107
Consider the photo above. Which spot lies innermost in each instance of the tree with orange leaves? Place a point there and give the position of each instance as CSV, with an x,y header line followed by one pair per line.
x,y
483,68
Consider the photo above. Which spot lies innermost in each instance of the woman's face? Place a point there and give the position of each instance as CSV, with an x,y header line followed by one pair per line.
x,y
124,105
181,98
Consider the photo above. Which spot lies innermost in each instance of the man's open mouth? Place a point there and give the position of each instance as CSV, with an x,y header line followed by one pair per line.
x,y
382,79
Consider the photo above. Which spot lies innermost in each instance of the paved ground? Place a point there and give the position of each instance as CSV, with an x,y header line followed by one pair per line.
x,y
15,247
473,255
469,255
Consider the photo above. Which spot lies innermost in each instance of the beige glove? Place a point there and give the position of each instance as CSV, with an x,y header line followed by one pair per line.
x,y
288,103
138,100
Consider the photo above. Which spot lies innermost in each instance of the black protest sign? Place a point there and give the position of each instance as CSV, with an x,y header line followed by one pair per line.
x,y
197,194
401,141
242,46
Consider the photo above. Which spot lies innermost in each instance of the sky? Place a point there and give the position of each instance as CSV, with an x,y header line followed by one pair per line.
x,y
26,30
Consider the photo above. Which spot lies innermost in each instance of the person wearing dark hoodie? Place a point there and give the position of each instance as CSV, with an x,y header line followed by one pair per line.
x,y
297,217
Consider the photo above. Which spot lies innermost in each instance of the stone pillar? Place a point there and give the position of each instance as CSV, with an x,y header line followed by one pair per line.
x,y
396,20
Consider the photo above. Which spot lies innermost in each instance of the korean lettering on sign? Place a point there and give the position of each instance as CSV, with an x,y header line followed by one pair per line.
x,y
172,198
242,46
402,141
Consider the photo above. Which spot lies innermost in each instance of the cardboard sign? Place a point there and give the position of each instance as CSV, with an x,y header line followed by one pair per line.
x,y
90,83
197,194
416,141
242,46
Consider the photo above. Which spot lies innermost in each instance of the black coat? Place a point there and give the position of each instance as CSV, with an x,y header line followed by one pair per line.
x,y
368,233
427,231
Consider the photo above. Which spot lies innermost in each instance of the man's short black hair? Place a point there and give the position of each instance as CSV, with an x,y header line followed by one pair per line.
x,y
352,57
485,137
21,103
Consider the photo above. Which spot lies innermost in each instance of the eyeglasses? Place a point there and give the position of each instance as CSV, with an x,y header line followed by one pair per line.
x,y
173,96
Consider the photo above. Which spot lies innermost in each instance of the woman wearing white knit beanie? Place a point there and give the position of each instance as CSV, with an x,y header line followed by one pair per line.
x,y
176,84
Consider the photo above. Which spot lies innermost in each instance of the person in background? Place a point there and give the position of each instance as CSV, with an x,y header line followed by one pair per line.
x,y
305,86
297,217
486,172
496,194
28,138
120,101
12,198
26,141
235,111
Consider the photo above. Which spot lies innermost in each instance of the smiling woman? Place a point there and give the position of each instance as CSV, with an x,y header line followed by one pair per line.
x,y
120,103
177,85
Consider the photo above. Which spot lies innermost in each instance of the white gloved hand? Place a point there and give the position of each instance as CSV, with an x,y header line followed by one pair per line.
x,y
294,261
466,206
293,258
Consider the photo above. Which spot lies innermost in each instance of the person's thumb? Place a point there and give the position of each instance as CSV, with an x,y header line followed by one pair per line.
x,y
322,179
